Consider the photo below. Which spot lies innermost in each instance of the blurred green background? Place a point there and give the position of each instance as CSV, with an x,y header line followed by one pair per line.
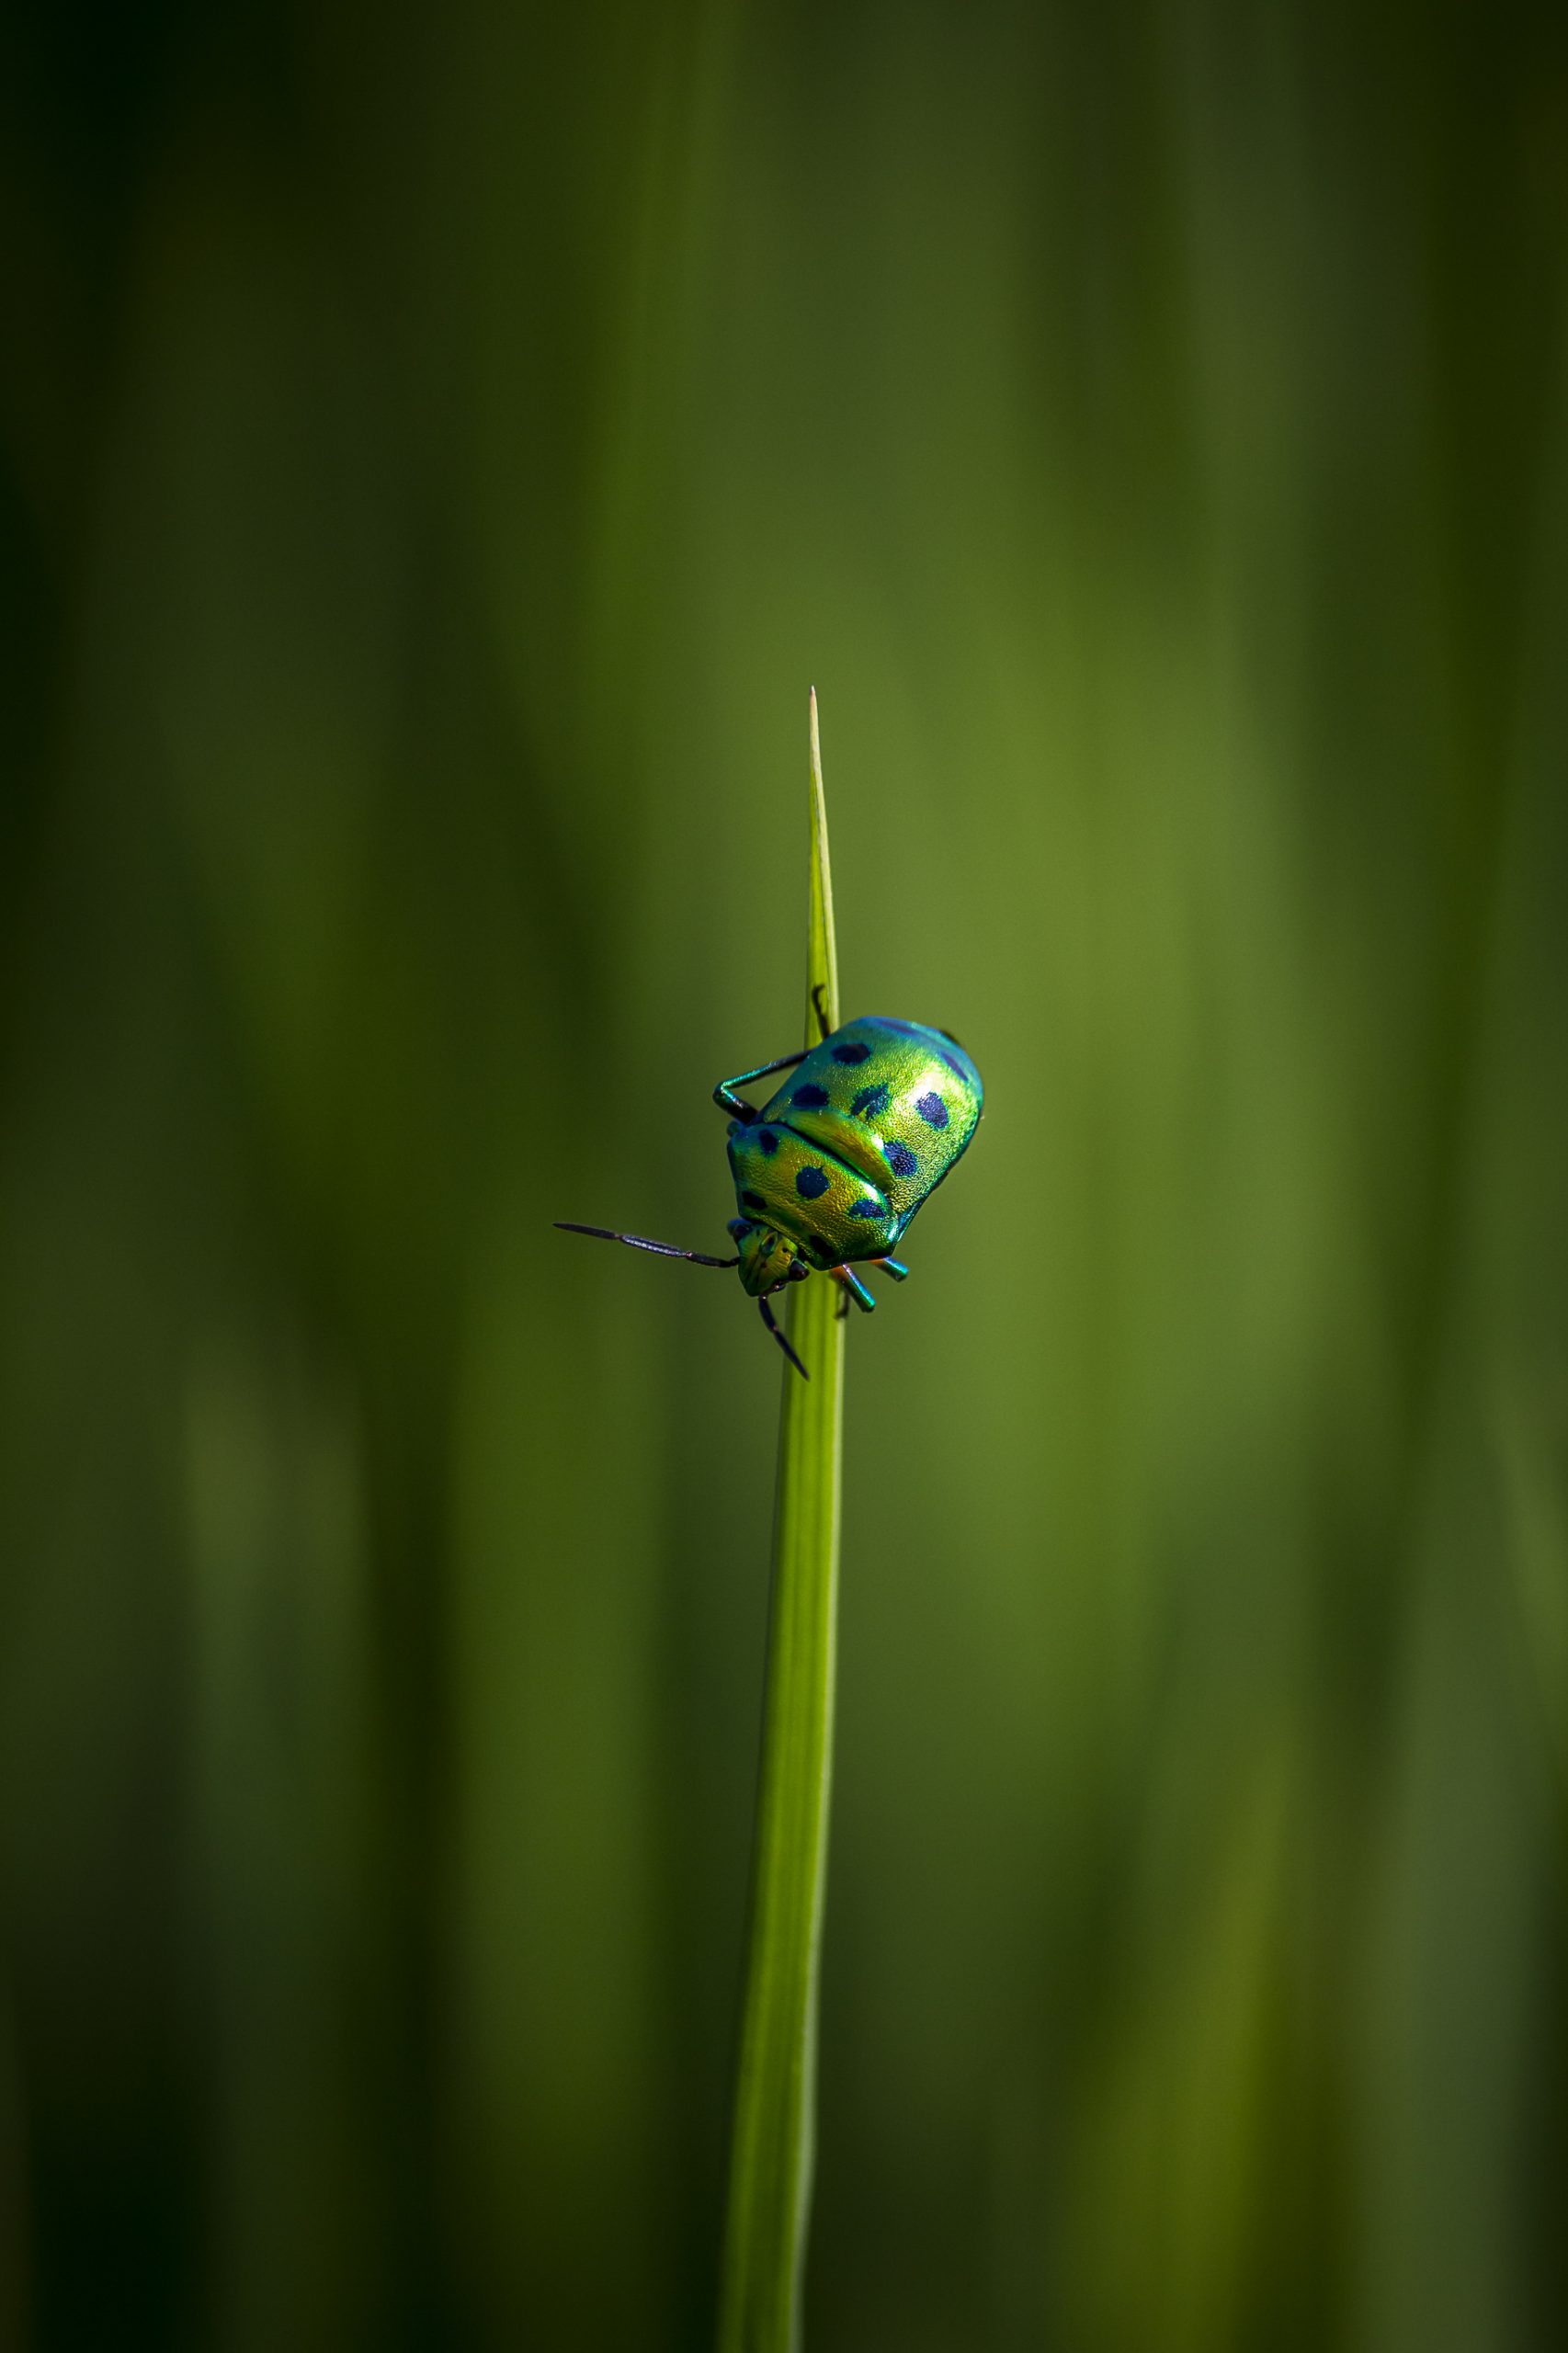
x,y
438,451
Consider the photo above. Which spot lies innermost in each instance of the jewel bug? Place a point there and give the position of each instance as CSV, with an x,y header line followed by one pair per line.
x,y
831,1170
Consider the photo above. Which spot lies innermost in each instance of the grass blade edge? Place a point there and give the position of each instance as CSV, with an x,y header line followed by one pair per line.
x,y
771,2155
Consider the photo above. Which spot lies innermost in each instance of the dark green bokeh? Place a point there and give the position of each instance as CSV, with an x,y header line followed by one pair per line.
x,y
440,448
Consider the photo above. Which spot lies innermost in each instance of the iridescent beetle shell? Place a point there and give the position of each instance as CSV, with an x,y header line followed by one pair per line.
x,y
832,1170
859,1135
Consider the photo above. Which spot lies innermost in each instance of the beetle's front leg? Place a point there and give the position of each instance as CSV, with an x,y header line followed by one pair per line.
x,y
728,1101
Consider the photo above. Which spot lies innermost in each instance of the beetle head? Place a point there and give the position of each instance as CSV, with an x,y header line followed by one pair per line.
x,y
769,1259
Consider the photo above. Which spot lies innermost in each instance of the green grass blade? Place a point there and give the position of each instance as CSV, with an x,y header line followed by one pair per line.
x,y
771,2157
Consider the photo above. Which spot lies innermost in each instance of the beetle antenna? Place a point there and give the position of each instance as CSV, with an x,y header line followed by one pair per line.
x,y
767,1319
641,1241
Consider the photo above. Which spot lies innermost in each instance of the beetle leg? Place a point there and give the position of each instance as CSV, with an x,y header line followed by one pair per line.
x,y
767,1318
817,994
728,1101
852,1288
841,1310
892,1267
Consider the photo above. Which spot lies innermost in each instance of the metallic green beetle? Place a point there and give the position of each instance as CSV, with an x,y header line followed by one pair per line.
x,y
830,1172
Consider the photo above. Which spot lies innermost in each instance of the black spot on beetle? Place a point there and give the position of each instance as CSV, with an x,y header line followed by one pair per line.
x,y
865,1209
769,1141
869,1102
901,1160
827,1251
809,1097
933,1110
853,1053
810,1183
753,1201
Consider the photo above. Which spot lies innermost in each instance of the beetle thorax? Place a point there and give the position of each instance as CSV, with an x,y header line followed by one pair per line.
x,y
769,1259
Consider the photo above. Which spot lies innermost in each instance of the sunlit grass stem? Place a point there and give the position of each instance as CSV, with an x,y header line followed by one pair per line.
x,y
770,2175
